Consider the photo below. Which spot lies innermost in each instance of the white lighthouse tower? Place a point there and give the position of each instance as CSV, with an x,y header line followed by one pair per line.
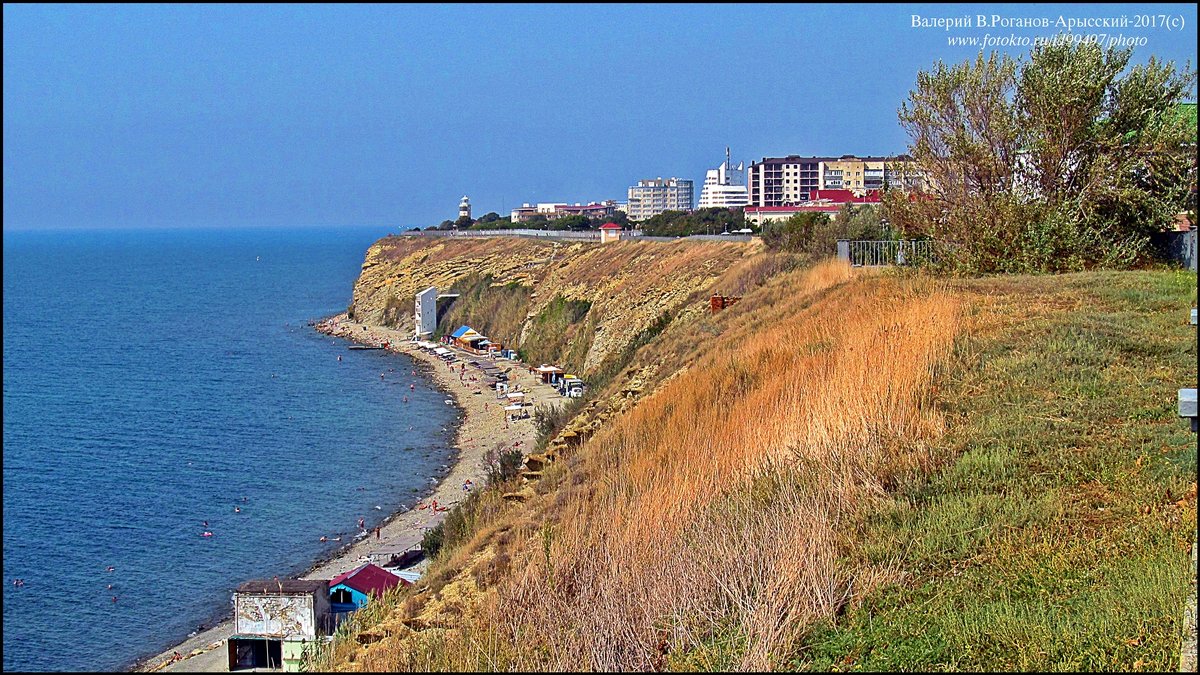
x,y
464,208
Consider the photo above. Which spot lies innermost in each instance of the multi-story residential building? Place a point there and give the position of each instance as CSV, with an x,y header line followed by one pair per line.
x,y
724,186
791,180
651,197
555,210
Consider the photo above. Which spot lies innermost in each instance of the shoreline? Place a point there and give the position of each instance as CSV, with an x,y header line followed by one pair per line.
x,y
480,425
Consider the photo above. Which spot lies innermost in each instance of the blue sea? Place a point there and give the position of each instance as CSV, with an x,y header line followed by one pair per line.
x,y
154,380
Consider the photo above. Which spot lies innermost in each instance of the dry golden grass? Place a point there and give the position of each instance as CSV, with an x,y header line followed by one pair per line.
x,y
716,510
719,500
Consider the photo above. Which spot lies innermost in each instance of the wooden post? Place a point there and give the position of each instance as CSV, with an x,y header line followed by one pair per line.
x,y
1187,397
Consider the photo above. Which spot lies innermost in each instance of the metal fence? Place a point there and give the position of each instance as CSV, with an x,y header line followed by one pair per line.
x,y
571,235
875,253
540,234
1179,246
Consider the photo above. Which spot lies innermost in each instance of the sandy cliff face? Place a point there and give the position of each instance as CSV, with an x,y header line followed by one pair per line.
x,y
616,291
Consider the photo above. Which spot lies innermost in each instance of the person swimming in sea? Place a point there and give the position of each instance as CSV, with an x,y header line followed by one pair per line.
x,y
237,509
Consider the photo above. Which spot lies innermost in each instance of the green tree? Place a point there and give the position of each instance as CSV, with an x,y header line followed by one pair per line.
x,y
802,233
1055,162
572,223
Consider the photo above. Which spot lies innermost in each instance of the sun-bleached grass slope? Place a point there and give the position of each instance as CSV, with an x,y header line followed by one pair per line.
x,y
715,506
708,526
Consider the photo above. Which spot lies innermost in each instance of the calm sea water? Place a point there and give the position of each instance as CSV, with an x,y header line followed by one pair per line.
x,y
154,379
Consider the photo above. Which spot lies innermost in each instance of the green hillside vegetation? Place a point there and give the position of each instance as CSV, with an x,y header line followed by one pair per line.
x,y
1055,534
494,309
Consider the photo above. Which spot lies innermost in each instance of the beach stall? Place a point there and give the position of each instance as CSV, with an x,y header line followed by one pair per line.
x,y
549,374
471,340
351,591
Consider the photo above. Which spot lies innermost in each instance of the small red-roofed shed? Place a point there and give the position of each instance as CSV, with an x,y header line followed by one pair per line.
x,y
610,232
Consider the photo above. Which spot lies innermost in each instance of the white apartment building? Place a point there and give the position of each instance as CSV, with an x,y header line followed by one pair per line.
x,y
651,197
724,186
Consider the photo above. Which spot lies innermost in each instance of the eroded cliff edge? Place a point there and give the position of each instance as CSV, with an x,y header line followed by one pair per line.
x,y
576,303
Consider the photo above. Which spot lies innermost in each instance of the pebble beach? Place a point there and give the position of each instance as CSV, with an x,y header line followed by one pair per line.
x,y
482,427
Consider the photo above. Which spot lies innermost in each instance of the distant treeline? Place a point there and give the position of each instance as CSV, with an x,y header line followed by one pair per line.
x,y
666,224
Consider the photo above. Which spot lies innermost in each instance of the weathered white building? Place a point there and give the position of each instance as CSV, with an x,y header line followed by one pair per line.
x,y
276,621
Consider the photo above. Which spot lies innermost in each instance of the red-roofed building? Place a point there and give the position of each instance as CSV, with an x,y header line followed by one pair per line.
x,y
352,590
845,197
610,232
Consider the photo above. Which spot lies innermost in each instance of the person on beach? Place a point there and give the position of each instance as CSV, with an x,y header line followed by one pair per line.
x,y
362,524
376,534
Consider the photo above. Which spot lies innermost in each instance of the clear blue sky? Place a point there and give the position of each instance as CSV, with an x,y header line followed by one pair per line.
x,y
177,115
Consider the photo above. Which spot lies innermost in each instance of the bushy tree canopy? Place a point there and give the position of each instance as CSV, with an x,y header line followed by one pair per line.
x,y
714,220
1064,160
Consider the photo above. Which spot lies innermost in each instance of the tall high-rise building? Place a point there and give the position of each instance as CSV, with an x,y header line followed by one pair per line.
x,y
651,197
724,186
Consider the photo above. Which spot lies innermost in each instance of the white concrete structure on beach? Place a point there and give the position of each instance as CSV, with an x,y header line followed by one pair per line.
x,y
425,316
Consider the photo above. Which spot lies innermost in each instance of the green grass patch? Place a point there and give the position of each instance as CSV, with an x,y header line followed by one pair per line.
x,y
1056,534
559,334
